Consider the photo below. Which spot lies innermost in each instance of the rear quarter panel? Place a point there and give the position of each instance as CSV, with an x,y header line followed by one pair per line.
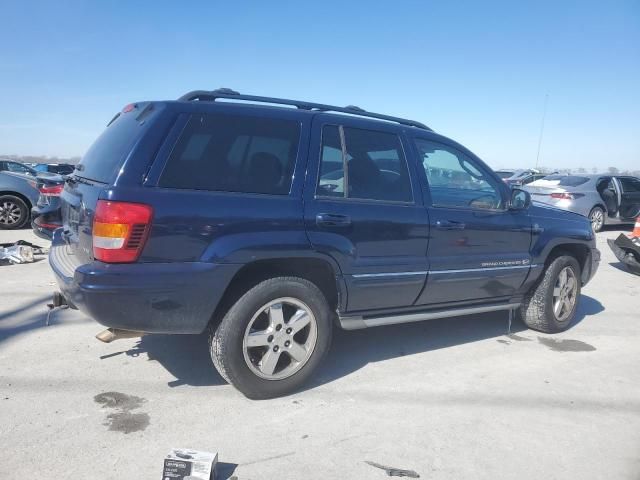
x,y
218,227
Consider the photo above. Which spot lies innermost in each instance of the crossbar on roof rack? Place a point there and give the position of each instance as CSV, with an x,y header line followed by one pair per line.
x,y
211,96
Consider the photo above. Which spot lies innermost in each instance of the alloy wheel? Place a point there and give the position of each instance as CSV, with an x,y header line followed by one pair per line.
x,y
597,220
565,293
10,213
280,338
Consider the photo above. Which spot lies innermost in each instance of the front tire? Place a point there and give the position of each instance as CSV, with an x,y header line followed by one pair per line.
x,y
14,212
551,305
273,338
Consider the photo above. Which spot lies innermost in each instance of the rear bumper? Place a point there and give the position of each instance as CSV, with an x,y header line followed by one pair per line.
x,y
146,297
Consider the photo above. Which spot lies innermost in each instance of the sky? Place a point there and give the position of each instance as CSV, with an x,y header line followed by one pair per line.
x,y
477,72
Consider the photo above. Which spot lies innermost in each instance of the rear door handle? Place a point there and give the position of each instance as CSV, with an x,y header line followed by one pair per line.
x,y
332,220
449,225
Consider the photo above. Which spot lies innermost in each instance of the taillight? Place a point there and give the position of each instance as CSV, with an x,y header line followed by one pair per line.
x,y
567,196
53,191
562,196
120,230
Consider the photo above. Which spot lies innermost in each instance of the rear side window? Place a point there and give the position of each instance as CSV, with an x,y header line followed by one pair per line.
x,y
233,153
107,154
375,165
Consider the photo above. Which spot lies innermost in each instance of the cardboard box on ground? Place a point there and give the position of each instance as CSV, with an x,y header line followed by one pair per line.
x,y
186,464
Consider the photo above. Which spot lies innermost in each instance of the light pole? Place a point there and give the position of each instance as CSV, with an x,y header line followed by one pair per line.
x,y
544,114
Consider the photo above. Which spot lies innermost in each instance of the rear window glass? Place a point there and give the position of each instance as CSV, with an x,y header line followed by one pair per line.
x,y
504,174
232,153
107,154
567,180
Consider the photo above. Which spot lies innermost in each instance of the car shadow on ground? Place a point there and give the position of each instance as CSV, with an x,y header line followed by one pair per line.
x,y
187,358
9,327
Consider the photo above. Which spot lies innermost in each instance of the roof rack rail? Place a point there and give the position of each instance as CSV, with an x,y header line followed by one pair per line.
x,y
205,95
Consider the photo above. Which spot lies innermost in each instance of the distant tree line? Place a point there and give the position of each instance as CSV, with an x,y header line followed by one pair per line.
x,y
41,159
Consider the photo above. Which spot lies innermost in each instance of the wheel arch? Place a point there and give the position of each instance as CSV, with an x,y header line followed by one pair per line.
x,y
21,196
579,251
319,271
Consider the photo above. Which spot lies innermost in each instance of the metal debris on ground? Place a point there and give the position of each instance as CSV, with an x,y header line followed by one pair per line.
x,y
627,250
394,472
20,252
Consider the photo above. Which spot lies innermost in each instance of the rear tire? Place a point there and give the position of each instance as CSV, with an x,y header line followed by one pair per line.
x,y
551,305
273,338
14,212
596,217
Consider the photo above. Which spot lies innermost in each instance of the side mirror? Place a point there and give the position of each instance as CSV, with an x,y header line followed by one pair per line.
x,y
520,199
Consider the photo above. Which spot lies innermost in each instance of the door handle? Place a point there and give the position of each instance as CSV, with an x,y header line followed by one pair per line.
x,y
332,220
449,225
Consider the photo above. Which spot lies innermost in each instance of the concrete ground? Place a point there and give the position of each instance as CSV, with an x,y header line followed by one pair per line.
x,y
448,399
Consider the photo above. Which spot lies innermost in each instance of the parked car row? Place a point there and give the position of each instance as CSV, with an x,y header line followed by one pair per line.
x,y
36,169
517,178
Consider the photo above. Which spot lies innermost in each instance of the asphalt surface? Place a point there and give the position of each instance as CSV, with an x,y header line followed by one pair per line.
x,y
448,399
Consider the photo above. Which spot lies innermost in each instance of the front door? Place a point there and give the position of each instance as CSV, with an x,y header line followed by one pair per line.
x,y
478,249
363,207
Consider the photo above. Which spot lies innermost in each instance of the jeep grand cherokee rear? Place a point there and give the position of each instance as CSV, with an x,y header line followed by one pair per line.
x,y
268,225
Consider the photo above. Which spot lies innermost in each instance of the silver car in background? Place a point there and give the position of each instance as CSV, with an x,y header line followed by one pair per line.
x,y
605,199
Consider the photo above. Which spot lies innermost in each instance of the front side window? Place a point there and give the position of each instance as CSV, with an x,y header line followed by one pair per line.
x,y
232,153
363,164
454,180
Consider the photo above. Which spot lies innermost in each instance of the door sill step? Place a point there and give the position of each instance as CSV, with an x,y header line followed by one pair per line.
x,y
359,322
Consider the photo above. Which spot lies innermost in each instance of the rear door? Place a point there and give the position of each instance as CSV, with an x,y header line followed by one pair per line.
x,y
363,207
478,249
629,198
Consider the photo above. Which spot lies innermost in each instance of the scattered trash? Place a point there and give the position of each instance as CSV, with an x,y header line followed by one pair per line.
x,y
627,250
20,252
185,464
394,472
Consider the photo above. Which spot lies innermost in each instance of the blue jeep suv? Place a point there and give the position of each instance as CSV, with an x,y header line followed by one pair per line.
x,y
271,222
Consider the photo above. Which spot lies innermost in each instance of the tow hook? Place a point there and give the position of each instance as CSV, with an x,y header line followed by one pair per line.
x,y
111,334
